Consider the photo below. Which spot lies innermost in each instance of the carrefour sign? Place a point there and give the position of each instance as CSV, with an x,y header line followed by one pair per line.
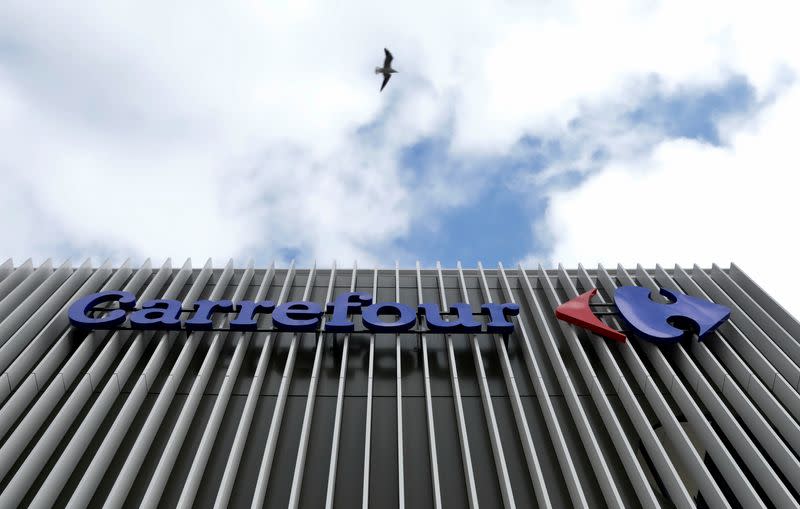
x,y
647,319
298,316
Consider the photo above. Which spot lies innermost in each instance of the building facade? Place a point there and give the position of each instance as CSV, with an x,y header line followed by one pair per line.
x,y
550,415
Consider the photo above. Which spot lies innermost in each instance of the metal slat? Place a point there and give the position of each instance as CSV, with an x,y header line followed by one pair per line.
x,y
147,434
195,476
280,405
19,355
741,409
742,371
25,287
64,467
44,406
684,448
8,284
746,411
368,428
655,450
759,427
766,401
749,350
26,390
641,485
45,446
737,282
466,459
733,431
775,310
777,354
725,462
39,318
588,438
119,428
181,427
337,420
12,327
521,420
77,446
488,410
246,419
6,268
110,443
302,448
765,322
437,490
554,429
401,490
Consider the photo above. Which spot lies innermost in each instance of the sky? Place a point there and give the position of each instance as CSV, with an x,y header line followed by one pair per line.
x,y
539,132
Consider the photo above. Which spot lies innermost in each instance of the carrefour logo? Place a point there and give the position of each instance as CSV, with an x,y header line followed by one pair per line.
x,y
298,316
647,319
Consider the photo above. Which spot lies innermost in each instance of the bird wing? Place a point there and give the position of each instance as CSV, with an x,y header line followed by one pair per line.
x,y
387,63
385,80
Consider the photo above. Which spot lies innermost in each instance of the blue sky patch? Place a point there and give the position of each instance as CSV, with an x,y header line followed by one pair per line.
x,y
695,113
494,227
495,224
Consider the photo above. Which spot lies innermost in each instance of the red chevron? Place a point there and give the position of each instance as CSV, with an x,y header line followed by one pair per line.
x,y
578,312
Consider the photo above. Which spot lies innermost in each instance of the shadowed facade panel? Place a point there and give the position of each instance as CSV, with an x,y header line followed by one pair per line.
x,y
549,416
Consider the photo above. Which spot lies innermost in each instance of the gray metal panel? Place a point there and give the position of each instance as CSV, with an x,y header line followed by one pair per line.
x,y
658,455
698,421
200,461
96,469
202,419
25,288
596,455
277,416
725,420
775,310
26,473
331,485
555,430
488,409
6,268
472,493
437,490
401,484
523,428
13,279
685,448
243,428
297,481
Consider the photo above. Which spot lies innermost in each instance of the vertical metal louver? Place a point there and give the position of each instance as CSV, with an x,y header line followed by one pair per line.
x,y
550,416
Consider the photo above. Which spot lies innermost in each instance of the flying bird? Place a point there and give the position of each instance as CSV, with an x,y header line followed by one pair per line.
x,y
386,70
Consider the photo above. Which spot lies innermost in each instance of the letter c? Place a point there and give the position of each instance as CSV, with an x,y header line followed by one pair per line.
x,y
79,311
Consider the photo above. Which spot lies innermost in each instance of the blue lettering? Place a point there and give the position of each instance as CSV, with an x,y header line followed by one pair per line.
x,y
464,322
203,309
350,302
297,316
406,317
498,323
79,311
158,314
292,316
245,320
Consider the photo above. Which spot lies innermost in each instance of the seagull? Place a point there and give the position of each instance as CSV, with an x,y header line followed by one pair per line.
x,y
386,70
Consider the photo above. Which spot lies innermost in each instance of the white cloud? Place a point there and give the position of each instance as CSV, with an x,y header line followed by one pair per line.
x,y
682,201
249,129
687,202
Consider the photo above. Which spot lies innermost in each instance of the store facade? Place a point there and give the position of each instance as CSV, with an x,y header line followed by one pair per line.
x,y
160,386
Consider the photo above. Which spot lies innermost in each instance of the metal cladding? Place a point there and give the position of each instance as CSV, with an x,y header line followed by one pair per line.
x,y
541,414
